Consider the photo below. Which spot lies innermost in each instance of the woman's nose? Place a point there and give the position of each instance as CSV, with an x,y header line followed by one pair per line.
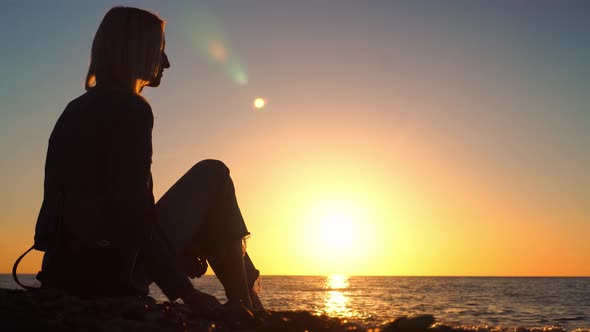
x,y
165,62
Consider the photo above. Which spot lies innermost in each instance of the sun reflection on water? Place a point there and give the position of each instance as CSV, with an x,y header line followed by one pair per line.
x,y
340,299
336,299
337,281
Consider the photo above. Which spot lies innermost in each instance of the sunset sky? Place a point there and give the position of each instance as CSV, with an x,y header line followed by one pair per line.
x,y
398,138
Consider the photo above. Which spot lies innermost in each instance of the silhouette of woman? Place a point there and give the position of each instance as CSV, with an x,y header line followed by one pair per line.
x,y
100,229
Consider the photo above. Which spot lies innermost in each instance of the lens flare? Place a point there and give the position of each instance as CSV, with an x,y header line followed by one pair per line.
x,y
217,51
259,103
211,41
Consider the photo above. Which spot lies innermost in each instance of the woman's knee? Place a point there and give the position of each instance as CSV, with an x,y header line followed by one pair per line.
x,y
211,167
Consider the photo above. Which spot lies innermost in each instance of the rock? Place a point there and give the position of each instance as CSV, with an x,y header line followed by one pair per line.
x,y
153,316
184,309
237,316
409,324
48,294
441,328
133,310
57,303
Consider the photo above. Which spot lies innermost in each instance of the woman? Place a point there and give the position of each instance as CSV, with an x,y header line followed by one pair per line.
x,y
100,229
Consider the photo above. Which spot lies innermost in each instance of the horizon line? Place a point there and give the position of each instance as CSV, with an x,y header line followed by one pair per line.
x,y
398,276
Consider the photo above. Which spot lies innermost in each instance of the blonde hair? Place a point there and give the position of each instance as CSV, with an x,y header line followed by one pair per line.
x,y
126,49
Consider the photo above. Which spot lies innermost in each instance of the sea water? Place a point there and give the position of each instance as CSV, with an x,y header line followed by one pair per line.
x,y
467,301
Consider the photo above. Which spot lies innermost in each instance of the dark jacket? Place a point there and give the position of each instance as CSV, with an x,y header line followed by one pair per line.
x,y
97,224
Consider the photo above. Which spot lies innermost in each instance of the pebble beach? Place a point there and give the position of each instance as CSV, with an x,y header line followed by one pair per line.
x,y
56,311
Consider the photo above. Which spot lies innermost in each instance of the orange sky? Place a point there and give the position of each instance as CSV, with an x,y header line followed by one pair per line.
x,y
400,140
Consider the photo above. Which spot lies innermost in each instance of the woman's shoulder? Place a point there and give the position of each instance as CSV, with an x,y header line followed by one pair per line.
x,y
101,96
98,108
103,102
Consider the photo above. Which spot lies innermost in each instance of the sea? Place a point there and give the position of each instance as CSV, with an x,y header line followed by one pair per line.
x,y
489,302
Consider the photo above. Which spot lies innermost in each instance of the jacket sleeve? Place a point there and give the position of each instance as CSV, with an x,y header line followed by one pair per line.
x,y
127,178
135,200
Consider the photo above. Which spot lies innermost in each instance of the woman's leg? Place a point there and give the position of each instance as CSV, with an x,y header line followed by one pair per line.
x,y
228,265
201,217
253,277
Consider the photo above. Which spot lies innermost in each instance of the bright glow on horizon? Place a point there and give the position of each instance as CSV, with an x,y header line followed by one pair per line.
x,y
337,230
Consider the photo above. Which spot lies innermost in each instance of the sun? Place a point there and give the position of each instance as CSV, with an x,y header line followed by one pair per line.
x,y
337,230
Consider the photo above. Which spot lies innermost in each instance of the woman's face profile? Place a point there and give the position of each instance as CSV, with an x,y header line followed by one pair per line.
x,y
164,63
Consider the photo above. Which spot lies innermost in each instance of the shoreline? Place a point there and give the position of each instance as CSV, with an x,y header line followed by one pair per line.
x,y
22,310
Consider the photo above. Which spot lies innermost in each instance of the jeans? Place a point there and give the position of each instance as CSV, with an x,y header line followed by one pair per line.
x,y
197,216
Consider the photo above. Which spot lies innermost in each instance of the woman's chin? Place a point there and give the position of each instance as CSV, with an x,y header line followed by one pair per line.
x,y
156,82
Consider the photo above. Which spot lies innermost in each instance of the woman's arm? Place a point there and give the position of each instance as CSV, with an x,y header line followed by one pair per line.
x,y
127,174
132,176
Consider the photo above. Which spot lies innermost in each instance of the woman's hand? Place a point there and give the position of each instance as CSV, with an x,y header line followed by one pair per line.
x,y
194,267
194,262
